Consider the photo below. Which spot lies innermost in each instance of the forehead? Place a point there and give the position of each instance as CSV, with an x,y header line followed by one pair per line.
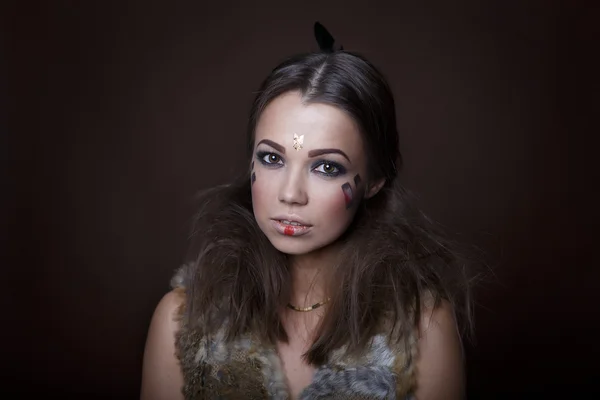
x,y
322,125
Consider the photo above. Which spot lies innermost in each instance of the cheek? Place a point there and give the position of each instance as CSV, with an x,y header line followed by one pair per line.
x,y
257,194
333,204
263,192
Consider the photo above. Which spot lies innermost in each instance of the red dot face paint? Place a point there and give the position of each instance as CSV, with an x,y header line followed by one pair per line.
x,y
290,230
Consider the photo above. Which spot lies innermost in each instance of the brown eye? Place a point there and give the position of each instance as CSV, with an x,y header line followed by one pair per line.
x,y
270,158
328,168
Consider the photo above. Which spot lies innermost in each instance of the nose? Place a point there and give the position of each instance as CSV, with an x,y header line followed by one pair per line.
x,y
292,190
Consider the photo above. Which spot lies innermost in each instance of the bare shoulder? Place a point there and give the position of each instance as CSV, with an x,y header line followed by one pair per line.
x,y
168,309
161,372
440,363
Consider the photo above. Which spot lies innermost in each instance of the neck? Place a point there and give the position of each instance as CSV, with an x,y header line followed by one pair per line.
x,y
309,273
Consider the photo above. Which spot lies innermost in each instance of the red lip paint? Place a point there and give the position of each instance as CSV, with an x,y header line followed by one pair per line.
x,y
290,230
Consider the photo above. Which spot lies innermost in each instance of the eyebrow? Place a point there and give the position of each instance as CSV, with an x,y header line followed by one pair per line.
x,y
274,145
320,152
311,153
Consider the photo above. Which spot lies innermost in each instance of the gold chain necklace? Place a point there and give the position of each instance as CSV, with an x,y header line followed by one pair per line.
x,y
306,309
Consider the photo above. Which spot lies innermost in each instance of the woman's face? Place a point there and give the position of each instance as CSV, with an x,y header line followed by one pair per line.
x,y
308,173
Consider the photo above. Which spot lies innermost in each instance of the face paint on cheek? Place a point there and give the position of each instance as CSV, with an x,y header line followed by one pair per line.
x,y
357,187
357,180
348,195
253,178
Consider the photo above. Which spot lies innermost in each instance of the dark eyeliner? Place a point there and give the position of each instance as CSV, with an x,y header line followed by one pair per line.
x,y
260,156
341,169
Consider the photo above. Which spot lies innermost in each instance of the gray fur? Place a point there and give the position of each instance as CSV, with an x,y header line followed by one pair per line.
x,y
371,382
273,375
181,276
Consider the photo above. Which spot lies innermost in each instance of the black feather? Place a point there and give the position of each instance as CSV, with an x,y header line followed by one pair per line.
x,y
325,40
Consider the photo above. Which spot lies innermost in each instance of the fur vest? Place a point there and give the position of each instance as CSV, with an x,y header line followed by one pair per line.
x,y
250,369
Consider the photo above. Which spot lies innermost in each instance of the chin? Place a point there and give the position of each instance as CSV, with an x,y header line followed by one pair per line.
x,y
293,246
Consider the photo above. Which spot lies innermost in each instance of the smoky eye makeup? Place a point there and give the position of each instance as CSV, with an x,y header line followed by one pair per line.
x,y
324,167
328,168
269,158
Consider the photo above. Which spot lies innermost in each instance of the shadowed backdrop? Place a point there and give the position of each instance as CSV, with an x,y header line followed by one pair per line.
x,y
119,112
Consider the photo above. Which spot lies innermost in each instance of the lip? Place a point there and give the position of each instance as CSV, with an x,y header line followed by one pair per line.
x,y
292,218
290,230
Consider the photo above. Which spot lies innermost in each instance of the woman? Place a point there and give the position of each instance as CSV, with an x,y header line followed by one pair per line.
x,y
312,277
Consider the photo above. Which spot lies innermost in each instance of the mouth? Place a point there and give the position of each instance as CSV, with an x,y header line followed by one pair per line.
x,y
289,227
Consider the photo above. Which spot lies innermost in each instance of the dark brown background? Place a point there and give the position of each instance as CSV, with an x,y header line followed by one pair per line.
x,y
116,113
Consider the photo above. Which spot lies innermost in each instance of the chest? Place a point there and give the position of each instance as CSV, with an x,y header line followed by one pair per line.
x,y
298,374
300,330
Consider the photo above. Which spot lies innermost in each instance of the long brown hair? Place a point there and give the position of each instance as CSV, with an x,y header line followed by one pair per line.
x,y
392,256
